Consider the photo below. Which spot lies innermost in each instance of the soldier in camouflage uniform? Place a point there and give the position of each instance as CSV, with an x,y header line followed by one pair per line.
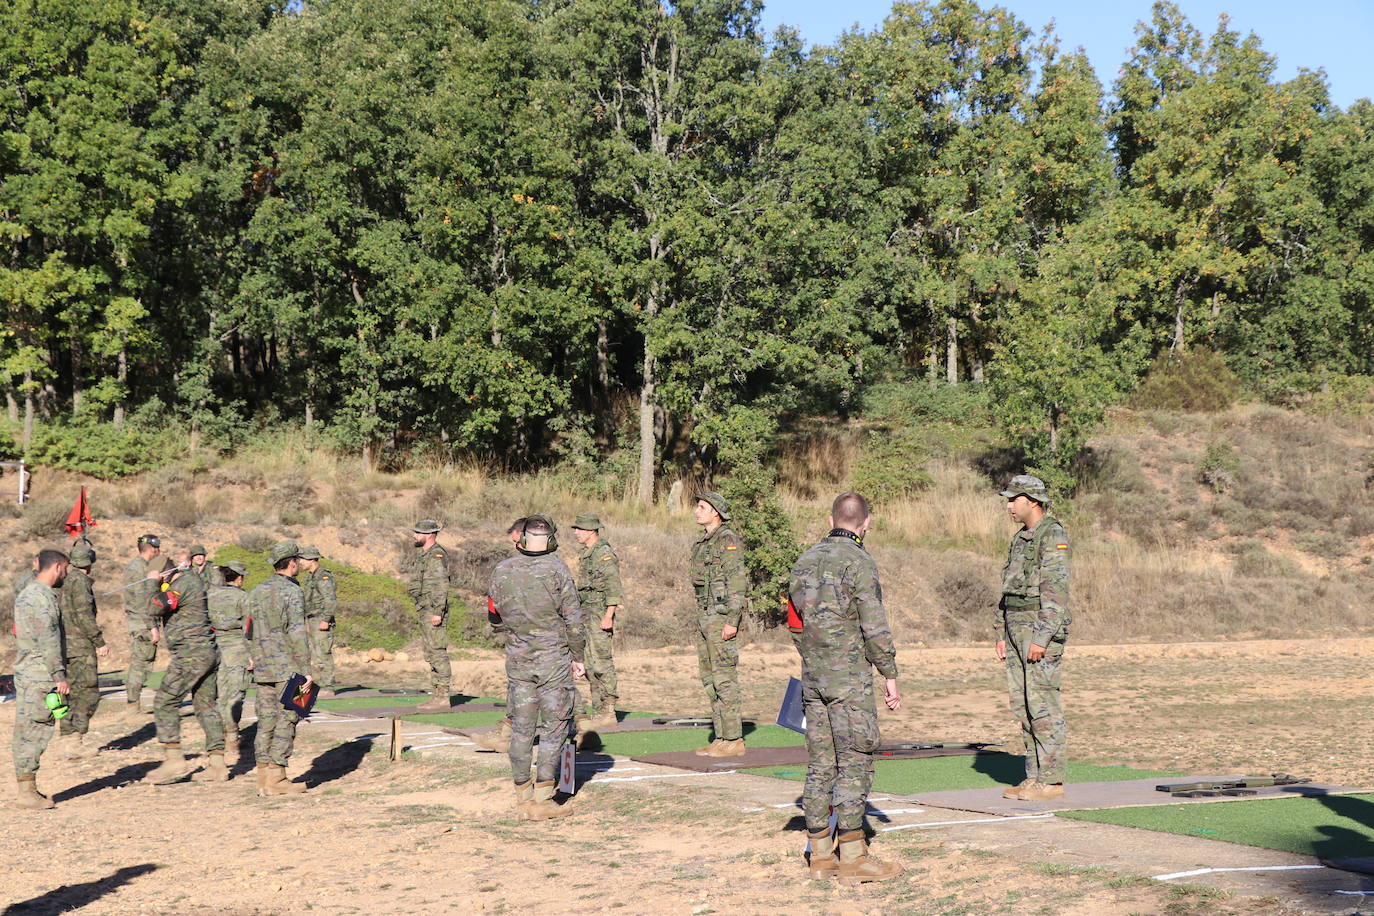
x,y
82,645
140,587
721,584
191,669
38,669
499,739
209,572
429,588
838,623
600,592
279,648
228,606
29,575
1033,620
536,599
321,602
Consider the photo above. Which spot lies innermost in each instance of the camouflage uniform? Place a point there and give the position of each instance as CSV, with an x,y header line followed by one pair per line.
x,y
429,587
280,648
191,668
37,667
598,587
537,601
1034,609
835,589
321,601
81,638
228,607
139,612
719,579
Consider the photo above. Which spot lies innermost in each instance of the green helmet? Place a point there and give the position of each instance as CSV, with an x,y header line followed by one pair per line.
x,y
427,526
83,556
198,550
283,550
717,502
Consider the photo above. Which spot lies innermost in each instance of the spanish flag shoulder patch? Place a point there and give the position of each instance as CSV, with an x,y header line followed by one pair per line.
x,y
1061,546
732,547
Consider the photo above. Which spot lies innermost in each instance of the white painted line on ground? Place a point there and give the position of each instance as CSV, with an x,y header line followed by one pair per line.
x,y
593,763
1355,893
664,776
1208,871
421,747
795,804
752,810
896,810
980,820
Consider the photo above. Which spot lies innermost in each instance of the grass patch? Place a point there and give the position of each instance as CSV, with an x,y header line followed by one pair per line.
x,y
377,702
460,719
1324,826
635,744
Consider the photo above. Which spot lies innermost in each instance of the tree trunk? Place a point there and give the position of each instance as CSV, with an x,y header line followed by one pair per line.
x,y
647,439
975,349
603,360
78,393
28,410
951,350
122,376
12,404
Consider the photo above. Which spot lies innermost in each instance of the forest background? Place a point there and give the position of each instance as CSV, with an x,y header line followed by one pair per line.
x,y
633,243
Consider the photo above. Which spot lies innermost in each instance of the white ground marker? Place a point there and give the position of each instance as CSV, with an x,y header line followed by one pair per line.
x,y
1208,871
979,820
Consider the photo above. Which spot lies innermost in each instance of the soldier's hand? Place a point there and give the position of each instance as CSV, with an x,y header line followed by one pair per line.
x,y
728,632
154,635
309,682
891,697
1002,649
435,620
62,687
1035,653
249,666
324,625
579,670
608,620
103,651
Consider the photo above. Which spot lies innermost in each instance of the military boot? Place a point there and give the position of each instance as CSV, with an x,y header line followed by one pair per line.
x,y
1041,791
823,861
543,807
173,768
728,747
1014,791
133,712
439,702
215,770
605,717
262,779
276,783
231,742
496,740
29,797
68,747
857,866
524,797
706,751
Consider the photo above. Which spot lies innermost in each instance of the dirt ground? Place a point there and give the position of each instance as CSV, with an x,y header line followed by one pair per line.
x,y
434,832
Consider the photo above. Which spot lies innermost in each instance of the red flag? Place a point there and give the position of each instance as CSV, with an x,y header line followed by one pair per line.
x,y
79,519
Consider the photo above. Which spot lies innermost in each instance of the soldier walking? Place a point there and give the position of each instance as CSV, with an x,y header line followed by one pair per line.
x,y
429,588
720,582
279,648
840,628
83,645
1032,621
600,593
190,670
38,670
228,605
141,585
321,603
534,594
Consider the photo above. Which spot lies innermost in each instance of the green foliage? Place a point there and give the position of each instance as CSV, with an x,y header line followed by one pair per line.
x,y
908,403
888,467
1196,380
1218,467
98,449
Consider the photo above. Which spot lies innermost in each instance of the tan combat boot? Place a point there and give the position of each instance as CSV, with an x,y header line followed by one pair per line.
x,y
29,797
173,768
439,702
605,718
1015,791
231,742
543,807
1041,791
497,740
823,861
706,751
728,747
133,712
857,866
276,783
215,770
262,779
524,797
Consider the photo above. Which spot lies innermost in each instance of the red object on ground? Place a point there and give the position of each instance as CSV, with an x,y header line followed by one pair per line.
x,y
79,519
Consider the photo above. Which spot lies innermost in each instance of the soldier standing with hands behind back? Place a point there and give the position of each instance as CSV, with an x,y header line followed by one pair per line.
x,y
321,601
1032,621
720,582
429,587
83,646
279,649
141,585
38,669
599,589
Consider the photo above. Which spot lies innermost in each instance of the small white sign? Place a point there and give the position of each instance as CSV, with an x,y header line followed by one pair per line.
x,y
567,769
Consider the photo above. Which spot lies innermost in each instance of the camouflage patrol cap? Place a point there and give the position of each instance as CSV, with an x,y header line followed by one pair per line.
x,y
427,526
1026,485
83,556
717,502
283,550
198,550
235,567
587,523
310,553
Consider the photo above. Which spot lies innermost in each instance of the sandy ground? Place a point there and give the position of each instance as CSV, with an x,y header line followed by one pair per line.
x,y
434,831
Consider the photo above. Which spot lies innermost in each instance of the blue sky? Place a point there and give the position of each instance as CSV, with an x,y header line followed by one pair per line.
x,y
1331,34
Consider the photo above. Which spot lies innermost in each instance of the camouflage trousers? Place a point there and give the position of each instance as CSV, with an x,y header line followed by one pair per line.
x,y
841,736
322,653
717,660
84,678
1033,691
231,678
540,699
435,642
33,724
600,661
142,651
276,725
191,670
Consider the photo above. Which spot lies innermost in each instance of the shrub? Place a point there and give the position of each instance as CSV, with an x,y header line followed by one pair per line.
x,y
43,519
1255,561
255,540
920,401
1196,379
98,449
889,467
1219,466
174,509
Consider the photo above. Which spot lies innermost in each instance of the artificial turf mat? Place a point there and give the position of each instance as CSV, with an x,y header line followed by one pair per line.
x,y
1325,826
636,744
979,771
459,719
379,701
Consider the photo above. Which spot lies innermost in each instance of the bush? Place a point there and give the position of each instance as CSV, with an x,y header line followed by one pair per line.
x,y
920,401
889,467
256,540
1196,380
43,519
98,449
1219,466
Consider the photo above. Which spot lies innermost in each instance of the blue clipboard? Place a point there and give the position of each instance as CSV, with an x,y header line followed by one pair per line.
x,y
296,698
792,714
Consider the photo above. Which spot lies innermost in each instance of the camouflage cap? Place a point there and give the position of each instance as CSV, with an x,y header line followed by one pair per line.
x,y
587,523
235,567
310,553
1026,485
283,550
198,550
427,526
717,502
83,556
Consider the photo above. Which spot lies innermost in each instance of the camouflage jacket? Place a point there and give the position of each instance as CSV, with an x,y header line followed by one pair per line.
x,y
228,606
321,596
190,622
834,587
1035,579
718,574
80,632
429,582
138,596
539,609
211,574
598,577
38,635
277,641
23,582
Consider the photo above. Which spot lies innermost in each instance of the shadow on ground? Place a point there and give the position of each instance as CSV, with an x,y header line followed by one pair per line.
x,y
74,896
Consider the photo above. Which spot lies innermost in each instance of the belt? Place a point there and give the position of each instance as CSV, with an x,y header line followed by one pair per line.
x,y
1011,602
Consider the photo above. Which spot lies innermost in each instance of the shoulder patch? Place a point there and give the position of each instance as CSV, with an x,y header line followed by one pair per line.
x,y
1061,546
439,554
732,547
607,558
